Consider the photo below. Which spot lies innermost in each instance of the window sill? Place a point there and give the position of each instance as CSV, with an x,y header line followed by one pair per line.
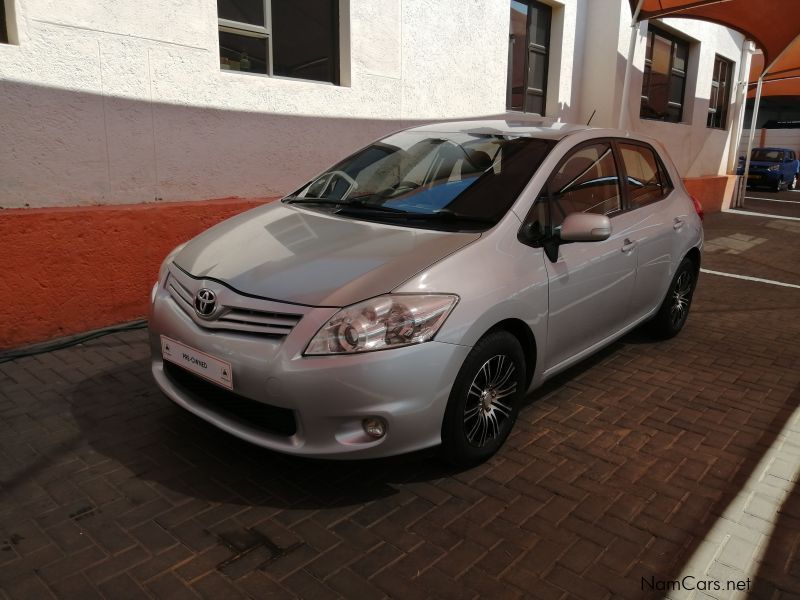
x,y
651,120
280,78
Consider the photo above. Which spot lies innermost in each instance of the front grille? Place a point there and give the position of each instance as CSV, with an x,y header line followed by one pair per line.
x,y
232,317
250,413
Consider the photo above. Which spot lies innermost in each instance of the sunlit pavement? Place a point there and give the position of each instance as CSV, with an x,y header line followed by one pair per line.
x,y
613,483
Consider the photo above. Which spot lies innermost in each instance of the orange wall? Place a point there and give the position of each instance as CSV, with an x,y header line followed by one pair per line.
x,y
709,191
67,270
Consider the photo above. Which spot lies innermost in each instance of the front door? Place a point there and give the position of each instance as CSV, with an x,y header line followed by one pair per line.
x,y
590,283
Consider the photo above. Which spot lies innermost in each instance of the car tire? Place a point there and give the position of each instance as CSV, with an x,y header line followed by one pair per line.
x,y
777,186
484,400
674,310
792,184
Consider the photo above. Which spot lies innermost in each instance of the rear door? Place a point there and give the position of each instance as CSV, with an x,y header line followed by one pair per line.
x,y
653,224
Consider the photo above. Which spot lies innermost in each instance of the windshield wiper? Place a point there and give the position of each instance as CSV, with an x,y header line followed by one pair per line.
x,y
359,205
310,200
445,214
356,202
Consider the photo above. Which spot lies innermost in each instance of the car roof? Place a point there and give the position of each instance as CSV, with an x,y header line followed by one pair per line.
x,y
774,148
521,126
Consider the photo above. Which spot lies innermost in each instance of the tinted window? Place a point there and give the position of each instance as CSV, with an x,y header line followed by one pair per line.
x,y
528,55
305,39
646,181
586,182
720,93
664,81
289,38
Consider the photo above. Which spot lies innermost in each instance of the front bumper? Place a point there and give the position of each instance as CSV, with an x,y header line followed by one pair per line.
x,y
762,178
329,396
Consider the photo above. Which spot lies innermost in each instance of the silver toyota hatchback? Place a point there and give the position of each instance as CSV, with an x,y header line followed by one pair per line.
x,y
412,295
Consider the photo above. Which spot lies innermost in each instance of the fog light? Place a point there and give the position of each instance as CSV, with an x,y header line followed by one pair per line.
x,y
374,427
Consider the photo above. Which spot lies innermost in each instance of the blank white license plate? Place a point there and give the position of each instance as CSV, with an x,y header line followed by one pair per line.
x,y
198,362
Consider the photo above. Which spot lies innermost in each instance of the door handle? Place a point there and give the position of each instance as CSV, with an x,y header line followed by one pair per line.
x,y
628,245
677,223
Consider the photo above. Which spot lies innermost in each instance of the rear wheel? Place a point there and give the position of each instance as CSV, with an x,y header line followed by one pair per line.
x,y
793,183
674,310
485,399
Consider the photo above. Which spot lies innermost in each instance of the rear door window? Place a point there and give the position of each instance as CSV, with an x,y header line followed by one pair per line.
x,y
645,179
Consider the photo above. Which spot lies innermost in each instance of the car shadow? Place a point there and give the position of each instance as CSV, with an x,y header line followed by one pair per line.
x,y
123,416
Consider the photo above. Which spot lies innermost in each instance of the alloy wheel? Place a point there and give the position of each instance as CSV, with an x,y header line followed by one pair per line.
x,y
681,296
486,408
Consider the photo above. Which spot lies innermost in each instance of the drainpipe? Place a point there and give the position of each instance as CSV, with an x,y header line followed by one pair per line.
x,y
741,99
626,84
753,122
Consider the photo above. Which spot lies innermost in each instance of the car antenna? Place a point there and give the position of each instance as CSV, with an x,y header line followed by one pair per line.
x,y
592,117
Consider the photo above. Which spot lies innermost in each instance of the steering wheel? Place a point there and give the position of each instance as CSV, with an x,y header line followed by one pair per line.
x,y
327,180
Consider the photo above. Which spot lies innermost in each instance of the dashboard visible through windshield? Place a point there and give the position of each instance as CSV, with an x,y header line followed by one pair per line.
x,y
449,181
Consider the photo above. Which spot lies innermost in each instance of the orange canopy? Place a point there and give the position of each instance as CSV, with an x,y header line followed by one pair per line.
x,y
781,80
774,25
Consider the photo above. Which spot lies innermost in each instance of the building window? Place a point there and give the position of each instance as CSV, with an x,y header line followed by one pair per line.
x,y
3,26
720,93
528,51
284,38
664,81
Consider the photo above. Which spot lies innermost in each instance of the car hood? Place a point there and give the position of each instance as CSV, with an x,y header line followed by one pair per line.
x,y
290,254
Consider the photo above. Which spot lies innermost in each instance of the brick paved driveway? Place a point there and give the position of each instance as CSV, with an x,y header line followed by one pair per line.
x,y
616,471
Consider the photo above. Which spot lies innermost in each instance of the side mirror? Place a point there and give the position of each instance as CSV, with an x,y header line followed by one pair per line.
x,y
585,227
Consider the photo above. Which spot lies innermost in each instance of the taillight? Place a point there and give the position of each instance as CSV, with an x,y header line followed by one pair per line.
x,y
698,208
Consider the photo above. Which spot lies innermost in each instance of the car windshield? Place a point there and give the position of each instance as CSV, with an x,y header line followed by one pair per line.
x,y
766,155
429,179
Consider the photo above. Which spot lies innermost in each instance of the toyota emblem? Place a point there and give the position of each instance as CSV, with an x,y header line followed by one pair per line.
x,y
205,302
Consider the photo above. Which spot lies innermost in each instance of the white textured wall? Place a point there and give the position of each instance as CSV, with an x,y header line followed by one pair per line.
x,y
120,101
696,149
107,101
775,138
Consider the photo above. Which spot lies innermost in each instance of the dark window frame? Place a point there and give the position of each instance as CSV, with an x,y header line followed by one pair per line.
x,y
266,33
3,23
530,46
674,73
667,186
718,112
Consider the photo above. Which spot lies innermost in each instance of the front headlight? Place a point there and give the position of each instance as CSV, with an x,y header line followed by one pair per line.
x,y
774,168
387,321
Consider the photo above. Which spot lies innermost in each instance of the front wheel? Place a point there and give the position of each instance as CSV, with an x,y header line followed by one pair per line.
x,y
672,315
485,400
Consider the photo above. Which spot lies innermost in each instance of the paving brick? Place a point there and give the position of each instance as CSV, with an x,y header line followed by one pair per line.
x,y
614,472
75,586
122,587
